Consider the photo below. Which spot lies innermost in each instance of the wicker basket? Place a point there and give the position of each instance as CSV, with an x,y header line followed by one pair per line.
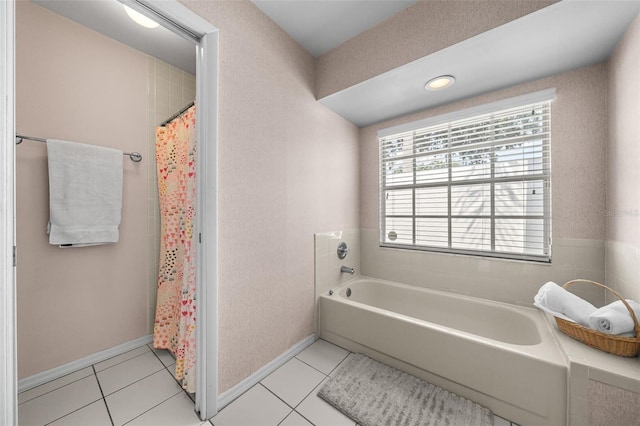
x,y
617,345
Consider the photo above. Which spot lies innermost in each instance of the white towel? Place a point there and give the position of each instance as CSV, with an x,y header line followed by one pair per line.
x,y
85,193
559,302
614,318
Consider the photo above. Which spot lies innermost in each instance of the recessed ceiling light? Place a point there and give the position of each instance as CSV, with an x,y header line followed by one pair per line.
x,y
139,18
439,82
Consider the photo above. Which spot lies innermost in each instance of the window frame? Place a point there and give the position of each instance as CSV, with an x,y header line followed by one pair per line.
x,y
540,97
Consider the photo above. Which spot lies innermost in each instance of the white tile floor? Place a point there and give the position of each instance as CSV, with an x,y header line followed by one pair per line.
x,y
138,389
135,388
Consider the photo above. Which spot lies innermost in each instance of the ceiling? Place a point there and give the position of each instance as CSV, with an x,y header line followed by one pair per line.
x,y
561,37
575,34
109,18
318,25
321,25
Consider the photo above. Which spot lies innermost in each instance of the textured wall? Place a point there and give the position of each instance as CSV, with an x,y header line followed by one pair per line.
x,y
422,29
288,169
74,84
623,173
612,406
578,146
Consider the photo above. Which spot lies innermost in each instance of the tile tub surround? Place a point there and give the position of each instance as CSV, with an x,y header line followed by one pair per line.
x,y
327,263
502,280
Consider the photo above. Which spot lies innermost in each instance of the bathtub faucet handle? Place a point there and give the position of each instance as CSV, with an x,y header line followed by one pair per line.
x,y
347,270
342,250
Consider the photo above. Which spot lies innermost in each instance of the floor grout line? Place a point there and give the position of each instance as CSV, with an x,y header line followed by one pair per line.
x,y
59,387
155,406
306,363
274,394
133,383
102,393
121,362
208,422
285,417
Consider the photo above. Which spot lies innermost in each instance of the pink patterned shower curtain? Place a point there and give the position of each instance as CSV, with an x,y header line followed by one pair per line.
x,y
175,324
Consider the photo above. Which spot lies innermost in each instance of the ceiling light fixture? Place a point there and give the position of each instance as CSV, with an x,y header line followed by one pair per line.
x,y
139,18
440,82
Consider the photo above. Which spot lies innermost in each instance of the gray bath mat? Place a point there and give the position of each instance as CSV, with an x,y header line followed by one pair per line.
x,y
374,394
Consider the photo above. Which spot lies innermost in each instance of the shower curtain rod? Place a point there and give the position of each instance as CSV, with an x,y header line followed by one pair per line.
x,y
136,157
177,114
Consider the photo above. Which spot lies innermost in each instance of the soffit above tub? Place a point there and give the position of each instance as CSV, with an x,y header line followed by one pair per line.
x,y
561,37
321,25
109,18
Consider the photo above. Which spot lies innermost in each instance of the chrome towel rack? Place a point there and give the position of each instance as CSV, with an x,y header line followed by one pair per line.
x,y
136,157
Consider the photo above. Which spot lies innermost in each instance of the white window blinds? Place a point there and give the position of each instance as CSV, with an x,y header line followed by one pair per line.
x,y
478,185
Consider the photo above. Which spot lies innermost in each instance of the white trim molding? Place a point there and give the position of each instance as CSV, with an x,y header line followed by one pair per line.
x,y
207,224
529,98
186,23
228,396
8,371
70,367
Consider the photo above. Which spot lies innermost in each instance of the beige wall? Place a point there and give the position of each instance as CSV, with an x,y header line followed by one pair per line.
x,y
578,144
623,173
288,169
74,84
612,406
422,29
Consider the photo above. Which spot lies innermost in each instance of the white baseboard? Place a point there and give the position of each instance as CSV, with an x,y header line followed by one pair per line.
x,y
223,399
55,373
226,397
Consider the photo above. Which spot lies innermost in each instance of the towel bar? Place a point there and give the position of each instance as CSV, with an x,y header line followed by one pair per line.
x,y
136,157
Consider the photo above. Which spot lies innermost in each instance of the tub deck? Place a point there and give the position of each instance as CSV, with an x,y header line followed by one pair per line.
x,y
502,356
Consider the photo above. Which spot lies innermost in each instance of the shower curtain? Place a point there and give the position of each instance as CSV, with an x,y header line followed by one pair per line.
x,y
175,322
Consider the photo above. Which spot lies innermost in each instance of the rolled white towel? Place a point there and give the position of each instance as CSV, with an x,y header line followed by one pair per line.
x,y
614,318
559,302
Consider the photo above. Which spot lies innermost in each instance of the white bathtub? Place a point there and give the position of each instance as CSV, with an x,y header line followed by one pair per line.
x,y
502,356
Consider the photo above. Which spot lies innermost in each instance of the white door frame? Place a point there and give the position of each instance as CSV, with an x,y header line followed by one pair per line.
x,y
8,375
188,24
172,12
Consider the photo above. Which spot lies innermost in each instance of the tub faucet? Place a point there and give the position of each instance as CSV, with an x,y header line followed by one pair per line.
x,y
347,270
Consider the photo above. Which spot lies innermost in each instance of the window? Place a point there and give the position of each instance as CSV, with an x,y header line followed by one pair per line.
x,y
472,182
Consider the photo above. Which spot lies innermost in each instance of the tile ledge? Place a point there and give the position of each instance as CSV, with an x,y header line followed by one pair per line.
x,y
621,372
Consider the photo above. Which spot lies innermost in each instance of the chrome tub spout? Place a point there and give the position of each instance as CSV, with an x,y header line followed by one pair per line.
x,y
347,270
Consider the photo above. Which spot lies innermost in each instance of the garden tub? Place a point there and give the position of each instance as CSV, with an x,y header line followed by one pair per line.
x,y
502,356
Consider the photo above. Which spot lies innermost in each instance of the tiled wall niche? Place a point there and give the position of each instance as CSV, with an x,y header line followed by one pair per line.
x,y
170,89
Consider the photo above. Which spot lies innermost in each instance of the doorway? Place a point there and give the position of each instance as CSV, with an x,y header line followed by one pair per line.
x,y
207,115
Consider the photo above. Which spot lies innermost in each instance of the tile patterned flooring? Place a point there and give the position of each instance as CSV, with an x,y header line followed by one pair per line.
x,y
138,389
